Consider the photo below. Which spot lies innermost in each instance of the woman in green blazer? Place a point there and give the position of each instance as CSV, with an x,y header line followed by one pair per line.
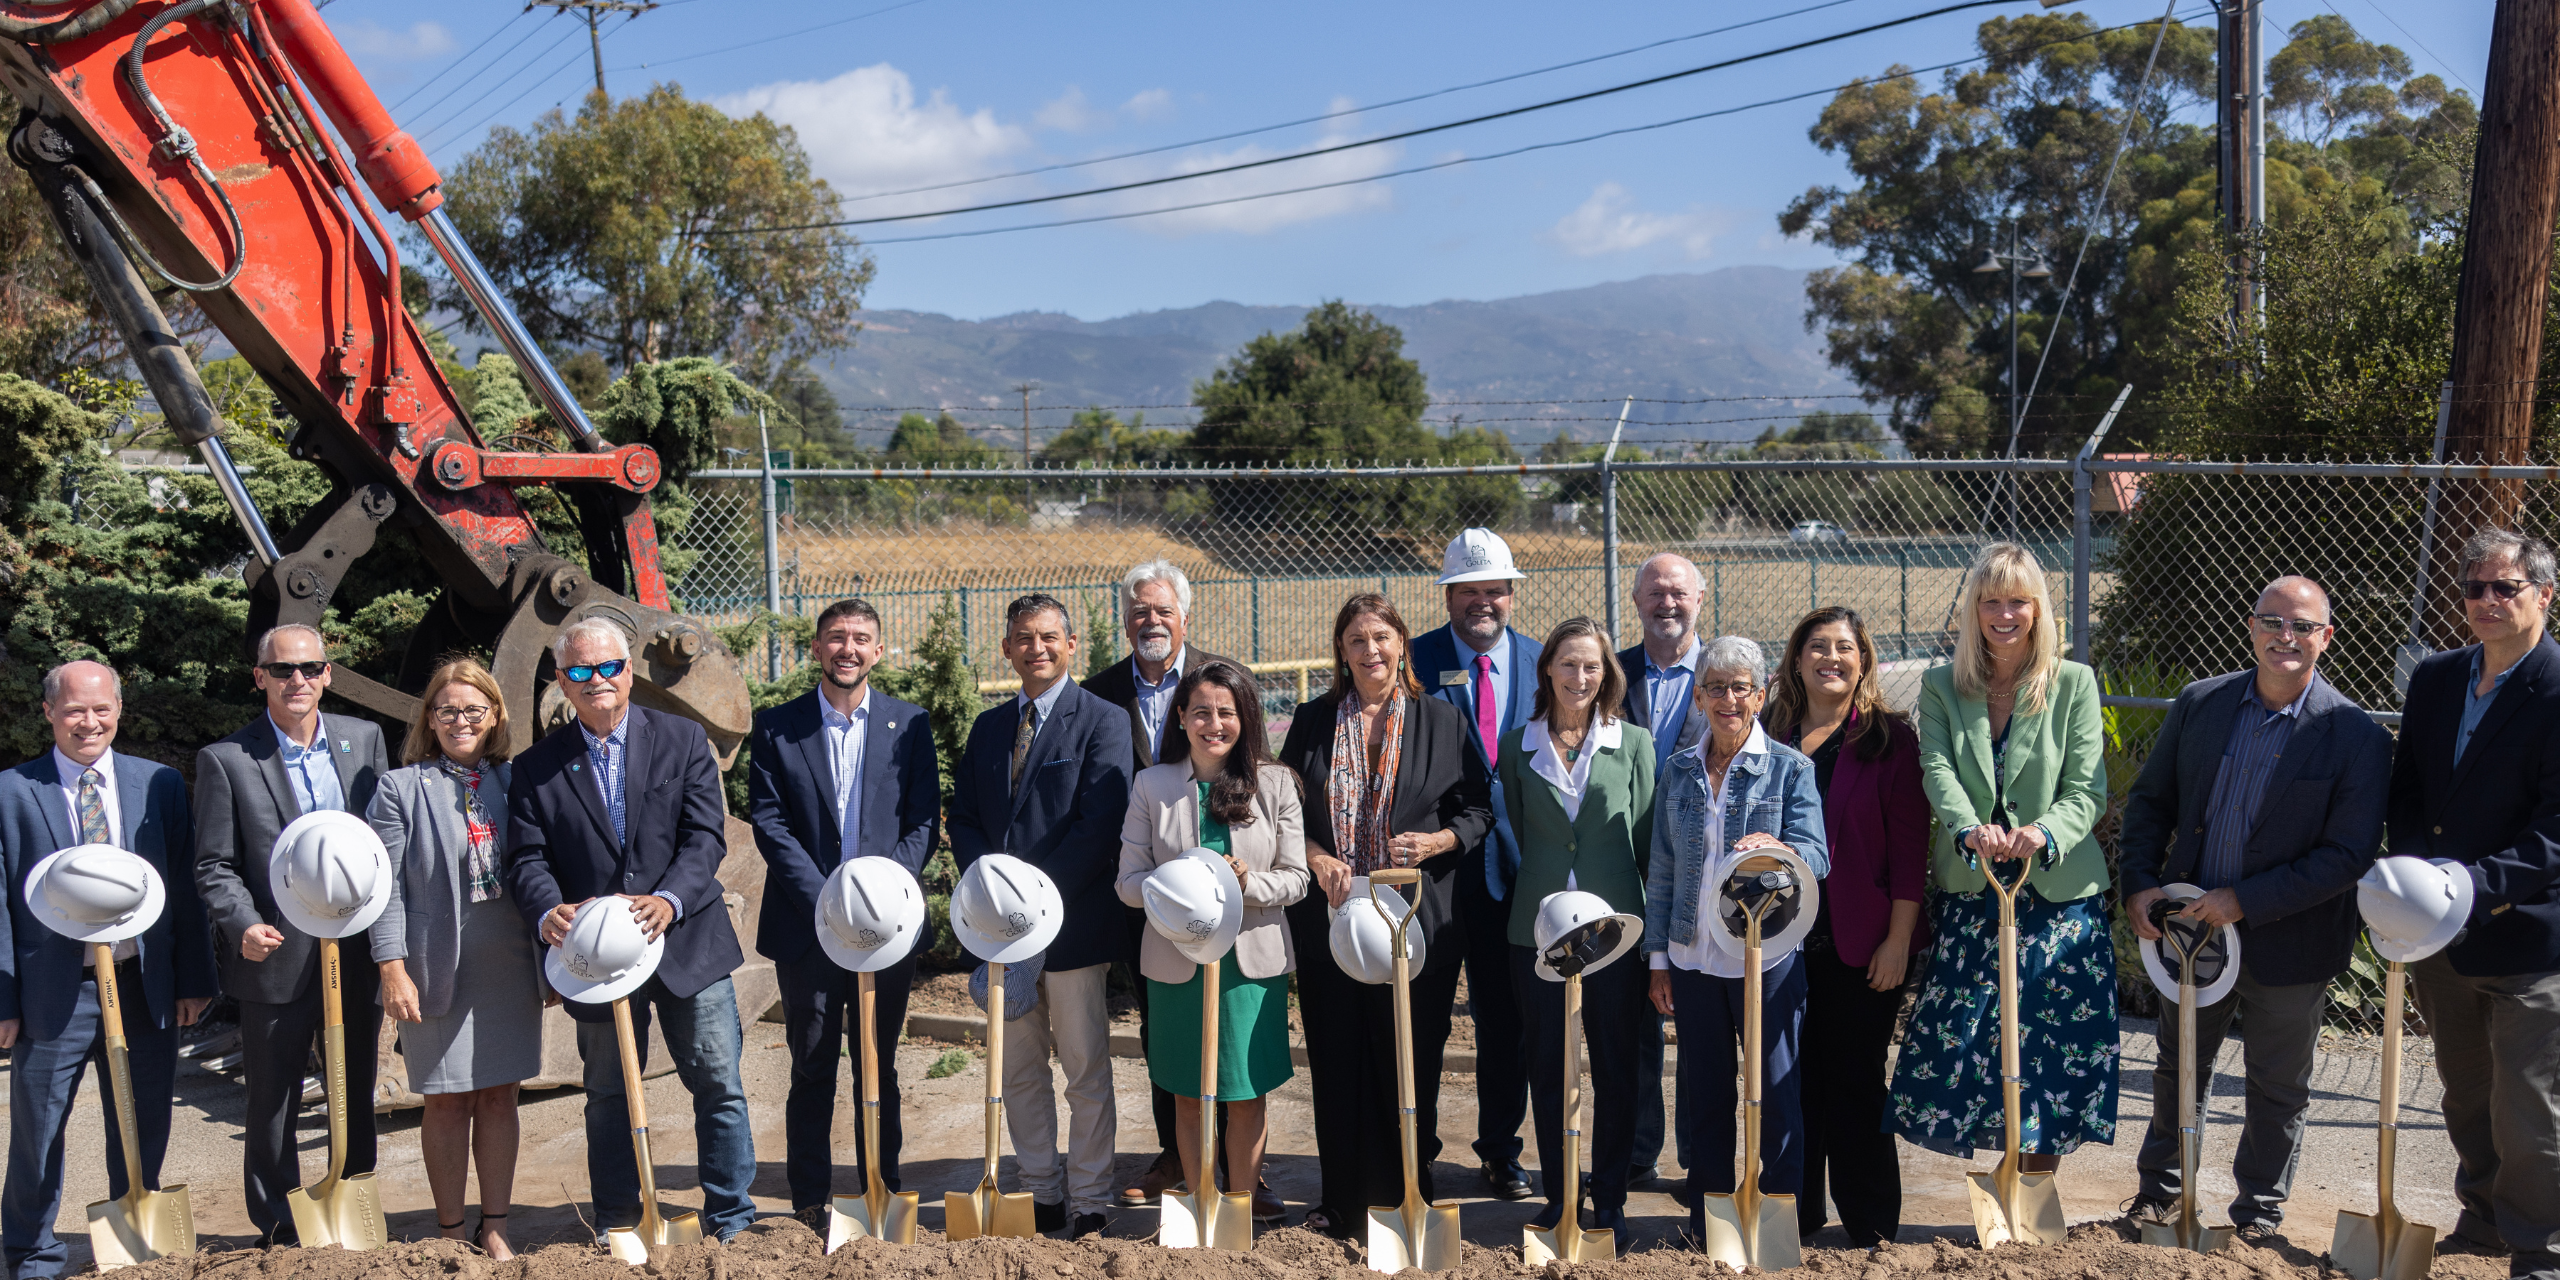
x,y
2011,758
1578,782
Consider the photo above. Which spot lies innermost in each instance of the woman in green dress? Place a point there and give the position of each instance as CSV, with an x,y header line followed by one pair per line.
x,y
1224,794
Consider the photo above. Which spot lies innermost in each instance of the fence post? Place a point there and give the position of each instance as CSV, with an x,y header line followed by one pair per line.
x,y
1902,561
2080,528
772,553
2415,647
1257,617
1609,524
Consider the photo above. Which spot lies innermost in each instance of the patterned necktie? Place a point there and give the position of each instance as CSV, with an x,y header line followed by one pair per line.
x,y
1488,721
93,810
1022,741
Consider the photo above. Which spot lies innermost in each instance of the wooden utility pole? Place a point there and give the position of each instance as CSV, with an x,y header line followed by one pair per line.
x,y
1026,388
590,9
2241,151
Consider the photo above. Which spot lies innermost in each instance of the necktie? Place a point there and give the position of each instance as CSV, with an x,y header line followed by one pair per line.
x,y
1488,722
93,810
1022,741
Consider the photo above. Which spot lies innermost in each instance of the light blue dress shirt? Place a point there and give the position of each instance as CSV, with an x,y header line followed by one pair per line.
x,y
1500,677
1044,704
313,774
1666,697
609,754
844,752
2475,704
1156,700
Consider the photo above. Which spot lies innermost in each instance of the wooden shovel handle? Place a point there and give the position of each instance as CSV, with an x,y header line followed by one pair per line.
x,y
1396,875
119,1072
630,1045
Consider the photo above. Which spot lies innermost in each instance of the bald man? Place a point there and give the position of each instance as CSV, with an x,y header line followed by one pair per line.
x,y
2267,790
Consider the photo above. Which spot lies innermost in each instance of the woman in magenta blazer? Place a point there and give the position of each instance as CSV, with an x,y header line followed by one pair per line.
x,y
1828,703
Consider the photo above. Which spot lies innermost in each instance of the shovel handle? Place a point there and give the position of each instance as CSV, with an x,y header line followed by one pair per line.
x,y
2394,989
119,1069
1205,1181
2008,889
333,1049
866,999
1572,1104
1396,875
995,1063
1746,1191
629,1043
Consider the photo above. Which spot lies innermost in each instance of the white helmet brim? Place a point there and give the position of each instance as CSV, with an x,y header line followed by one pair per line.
x,y
895,898
572,987
349,836
155,899
2155,960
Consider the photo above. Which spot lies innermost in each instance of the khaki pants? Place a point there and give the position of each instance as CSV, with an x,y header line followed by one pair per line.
x,y
1073,1018
2494,1040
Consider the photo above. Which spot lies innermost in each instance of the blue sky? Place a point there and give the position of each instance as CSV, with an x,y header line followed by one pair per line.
x,y
901,95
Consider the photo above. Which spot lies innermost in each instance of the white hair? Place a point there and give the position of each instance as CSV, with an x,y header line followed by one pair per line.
x,y
267,642
1734,653
53,680
591,629
1164,571
1669,562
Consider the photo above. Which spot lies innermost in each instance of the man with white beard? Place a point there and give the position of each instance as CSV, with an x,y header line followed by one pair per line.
x,y
1155,615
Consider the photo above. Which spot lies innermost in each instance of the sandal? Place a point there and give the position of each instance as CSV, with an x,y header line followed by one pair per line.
x,y
480,1235
1320,1221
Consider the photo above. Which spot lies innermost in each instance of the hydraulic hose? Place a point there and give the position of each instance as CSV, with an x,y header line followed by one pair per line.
x,y
84,23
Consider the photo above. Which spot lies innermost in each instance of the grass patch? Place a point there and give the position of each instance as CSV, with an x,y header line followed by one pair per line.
x,y
951,1063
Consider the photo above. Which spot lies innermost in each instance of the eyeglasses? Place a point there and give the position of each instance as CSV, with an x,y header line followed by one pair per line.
x,y
1734,691
2276,624
2507,588
287,670
461,715
583,673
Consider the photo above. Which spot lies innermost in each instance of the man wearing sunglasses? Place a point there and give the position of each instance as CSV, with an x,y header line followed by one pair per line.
x,y
2266,791
286,763
2477,781
625,802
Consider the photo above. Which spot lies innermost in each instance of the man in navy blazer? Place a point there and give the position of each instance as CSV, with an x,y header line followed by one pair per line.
x,y
626,802
1045,778
84,792
1662,673
2477,780
1489,672
846,772
2266,791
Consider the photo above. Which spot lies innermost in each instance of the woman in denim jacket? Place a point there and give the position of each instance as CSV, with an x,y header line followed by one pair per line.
x,y
1753,794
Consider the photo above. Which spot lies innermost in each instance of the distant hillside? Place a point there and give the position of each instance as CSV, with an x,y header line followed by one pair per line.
x,y
1734,332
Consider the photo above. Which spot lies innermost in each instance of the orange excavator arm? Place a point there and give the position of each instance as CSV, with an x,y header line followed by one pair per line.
x,y
230,149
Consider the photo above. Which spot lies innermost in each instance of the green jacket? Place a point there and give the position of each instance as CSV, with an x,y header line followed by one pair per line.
x,y
2056,775
1606,847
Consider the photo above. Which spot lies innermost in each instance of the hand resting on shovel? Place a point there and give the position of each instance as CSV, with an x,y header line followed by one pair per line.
x,y
1659,987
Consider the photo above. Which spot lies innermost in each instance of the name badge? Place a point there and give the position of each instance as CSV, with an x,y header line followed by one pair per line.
x,y
1453,679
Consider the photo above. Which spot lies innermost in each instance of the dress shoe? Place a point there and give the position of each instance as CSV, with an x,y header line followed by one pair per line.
x,y
1088,1224
1048,1217
1505,1180
1546,1219
1268,1211
1162,1176
1606,1220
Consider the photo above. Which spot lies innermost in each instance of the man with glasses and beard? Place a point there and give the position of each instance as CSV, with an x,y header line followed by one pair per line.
x,y
2477,781
288,762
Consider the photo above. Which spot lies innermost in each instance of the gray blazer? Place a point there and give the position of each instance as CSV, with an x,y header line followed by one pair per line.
x,y
418,812
242,800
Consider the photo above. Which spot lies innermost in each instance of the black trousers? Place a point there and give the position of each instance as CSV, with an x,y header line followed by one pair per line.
x,y
1614,1007
1351,1070
1502,1039
1848,1027
819,1026
276,1042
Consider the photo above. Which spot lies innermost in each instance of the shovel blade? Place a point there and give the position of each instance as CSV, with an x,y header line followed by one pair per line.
x,y
346,1213
1429,1243
1769,1242
1538,1248
638,1246
1215,1221
2168,1235
988,1212
961,1219
2365,1249
684,1228
142,1226
2039,1219
625,1245
850,1217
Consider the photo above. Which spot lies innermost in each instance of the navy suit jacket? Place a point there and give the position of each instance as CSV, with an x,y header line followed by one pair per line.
x,y
560,845
1448,671
40,969
791,803
2497,811
1640,708
1064,819
2318,823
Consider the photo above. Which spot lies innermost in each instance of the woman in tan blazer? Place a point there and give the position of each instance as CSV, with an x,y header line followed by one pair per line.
x,y
1224,794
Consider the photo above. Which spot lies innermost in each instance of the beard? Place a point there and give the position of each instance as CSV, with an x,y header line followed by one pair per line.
x,y
1482,626
1667,628
1154,646
831,676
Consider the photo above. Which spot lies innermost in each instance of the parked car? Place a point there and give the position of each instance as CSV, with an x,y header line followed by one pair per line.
x,y
1817,533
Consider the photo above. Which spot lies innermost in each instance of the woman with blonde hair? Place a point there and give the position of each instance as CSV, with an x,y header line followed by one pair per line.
x,y
460,972
2011,761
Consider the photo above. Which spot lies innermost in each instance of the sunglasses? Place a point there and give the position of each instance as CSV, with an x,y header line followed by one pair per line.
x,y
582,674
2277,624
2507,588
287,670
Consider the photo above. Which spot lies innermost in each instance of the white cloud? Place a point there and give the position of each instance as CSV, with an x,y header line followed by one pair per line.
x,y
1609,222
421,40
865,130
1070,112
1153,104
1253,217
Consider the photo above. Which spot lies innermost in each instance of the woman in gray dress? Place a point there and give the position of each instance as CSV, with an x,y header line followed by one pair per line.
x,y
459,969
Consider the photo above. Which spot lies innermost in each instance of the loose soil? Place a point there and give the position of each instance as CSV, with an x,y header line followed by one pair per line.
x,y
783,1249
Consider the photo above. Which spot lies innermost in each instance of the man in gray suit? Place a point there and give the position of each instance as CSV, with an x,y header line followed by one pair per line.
x,y
2267,791
286,763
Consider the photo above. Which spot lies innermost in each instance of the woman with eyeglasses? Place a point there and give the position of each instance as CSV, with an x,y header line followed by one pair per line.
x,y
2011,758
460,971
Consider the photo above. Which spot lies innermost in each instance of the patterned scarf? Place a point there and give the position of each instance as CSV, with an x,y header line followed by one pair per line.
x,y
481,860
1360,798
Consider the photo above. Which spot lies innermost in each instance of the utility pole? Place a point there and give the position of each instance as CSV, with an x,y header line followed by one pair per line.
x,y
1026,388
590,9
2241,150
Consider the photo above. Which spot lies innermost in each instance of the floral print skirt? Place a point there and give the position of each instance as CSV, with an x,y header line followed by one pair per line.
x,y
1946,1082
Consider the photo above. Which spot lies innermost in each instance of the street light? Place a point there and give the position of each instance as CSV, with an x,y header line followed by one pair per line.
x,y
2019,266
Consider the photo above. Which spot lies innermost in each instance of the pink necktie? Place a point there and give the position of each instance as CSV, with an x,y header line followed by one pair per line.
x,y
1488,723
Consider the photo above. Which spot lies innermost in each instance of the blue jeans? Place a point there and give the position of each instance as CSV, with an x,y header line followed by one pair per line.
x,y
703,1037
44,1078
1709,1013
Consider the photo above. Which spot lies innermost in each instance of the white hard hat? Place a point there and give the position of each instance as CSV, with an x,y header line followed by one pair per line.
x,y
1577,933
1783,923
606,954
1006,910
2414,906
1196,903
1363,935
870,914
2217,964
1476,555
330,874
95,893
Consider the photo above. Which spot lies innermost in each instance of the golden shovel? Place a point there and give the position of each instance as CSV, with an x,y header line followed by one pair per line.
x,y
343,1211
2188,1231
1413,1235
2382,1245
2009,1205
1207,1218
655,1234
1747,1227
141,1225
985,1211
878,1212
1568,1242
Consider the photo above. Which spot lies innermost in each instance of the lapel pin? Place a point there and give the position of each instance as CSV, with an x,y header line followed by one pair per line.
x,y
573,768
345,747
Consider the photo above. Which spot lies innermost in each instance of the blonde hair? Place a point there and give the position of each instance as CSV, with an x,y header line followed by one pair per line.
x,y
422,743
2006,567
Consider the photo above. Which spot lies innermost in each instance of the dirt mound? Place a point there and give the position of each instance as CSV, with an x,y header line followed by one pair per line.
x,y
783,1249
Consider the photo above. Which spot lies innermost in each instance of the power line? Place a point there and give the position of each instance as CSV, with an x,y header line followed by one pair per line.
x,y
588,9
539,81
2413,39
569,31
447,68
1381,139
669,62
